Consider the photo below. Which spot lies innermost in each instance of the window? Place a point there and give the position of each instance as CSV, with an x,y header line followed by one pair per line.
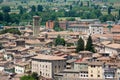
x,y
55,66
59,66
92,65
91,71
98,75
84,75
105,75
98,71
64,66
91,75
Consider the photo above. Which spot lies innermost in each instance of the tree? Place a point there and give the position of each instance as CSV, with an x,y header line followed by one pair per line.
x,y
40,8
109,9
119,14
35,75
71,7
105,18
56,26
6,9
21,9
81,4
71,19
11,30
14,18
33,8
1,1
89,45
80,45
1,47
1,16
6,17
98,13
27,78
26,16
88,3
59,41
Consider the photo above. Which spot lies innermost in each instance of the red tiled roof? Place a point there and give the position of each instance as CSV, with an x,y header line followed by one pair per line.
x,y
79,60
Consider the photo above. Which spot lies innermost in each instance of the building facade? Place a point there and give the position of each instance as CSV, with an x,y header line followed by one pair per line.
x,y
96,29
47,65
49,24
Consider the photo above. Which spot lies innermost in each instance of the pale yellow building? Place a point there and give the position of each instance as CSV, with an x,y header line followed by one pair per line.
x,y
48,65
95,70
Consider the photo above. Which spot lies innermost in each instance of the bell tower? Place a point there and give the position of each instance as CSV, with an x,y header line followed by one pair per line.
x,y
36,25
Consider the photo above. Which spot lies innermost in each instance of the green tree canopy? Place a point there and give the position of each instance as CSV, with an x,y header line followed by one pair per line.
x,y
1,1
6,17
33,8
59,41
1,16
35,75
80,45
56,26
11,30
81,4
119,14
105,18
6,9
1,47
109,9
15,18
89,45
22,10
88,3
27,78
40,8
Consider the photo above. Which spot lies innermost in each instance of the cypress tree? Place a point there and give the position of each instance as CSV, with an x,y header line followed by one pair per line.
x,y
88,4
89,45
119,14
81,4
109,9
80,45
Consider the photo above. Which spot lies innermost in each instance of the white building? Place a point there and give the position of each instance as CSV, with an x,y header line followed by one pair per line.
x,y
78,28
8,56
48,65
86,28
118,72
112,48
95,29
23,67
